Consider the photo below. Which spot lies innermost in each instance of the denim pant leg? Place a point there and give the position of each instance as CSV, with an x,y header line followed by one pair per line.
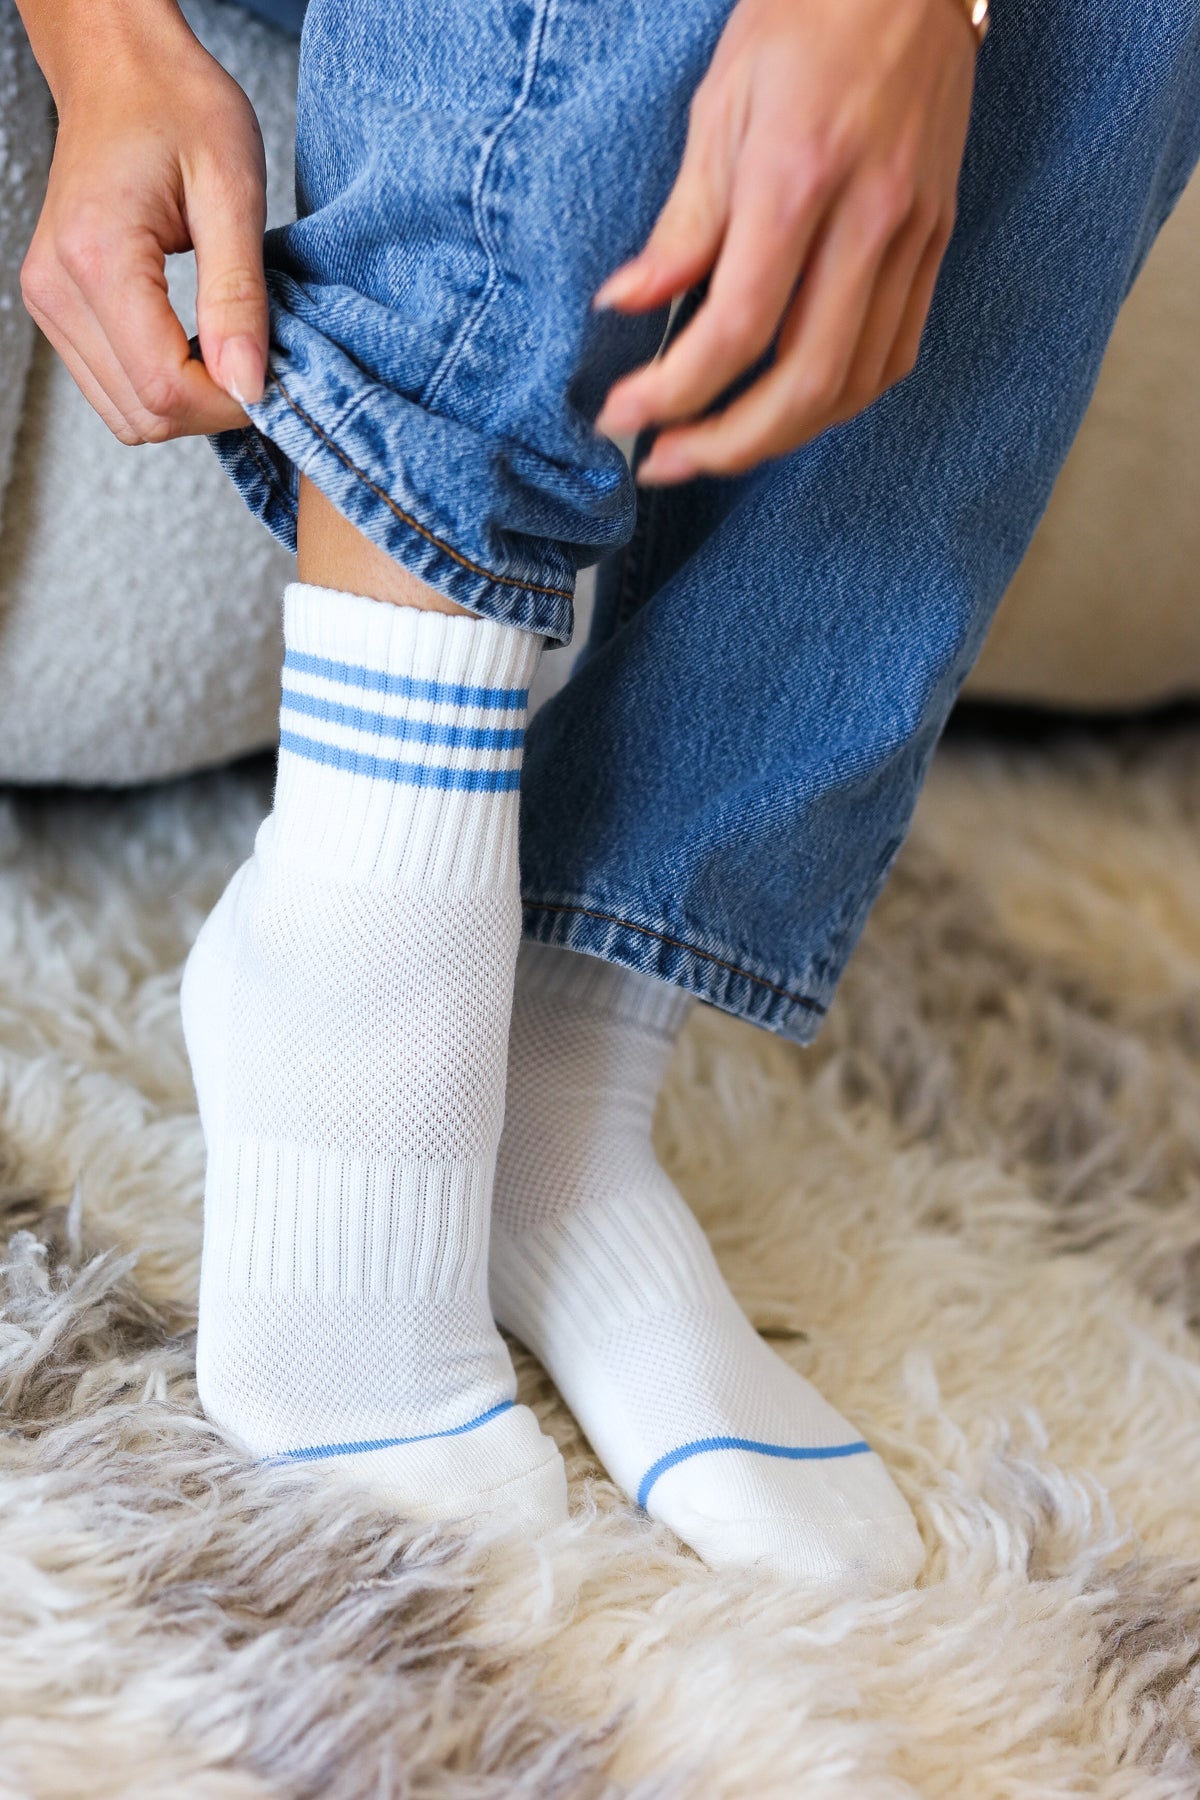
x,y
468,172
717,794
287,14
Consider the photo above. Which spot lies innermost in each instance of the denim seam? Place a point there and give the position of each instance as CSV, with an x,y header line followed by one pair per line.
x,y
250,438
474,568
721,962
479,191
351,410
631,593
852,918
639,552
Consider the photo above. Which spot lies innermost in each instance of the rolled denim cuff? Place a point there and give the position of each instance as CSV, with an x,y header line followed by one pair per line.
x,y
709,969
416,483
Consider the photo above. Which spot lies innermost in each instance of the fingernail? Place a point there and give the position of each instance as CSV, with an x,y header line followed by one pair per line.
x,y
619,417
619,287
658,470
241,372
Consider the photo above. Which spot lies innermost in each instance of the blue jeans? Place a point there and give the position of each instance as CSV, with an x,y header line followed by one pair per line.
x,y
717,794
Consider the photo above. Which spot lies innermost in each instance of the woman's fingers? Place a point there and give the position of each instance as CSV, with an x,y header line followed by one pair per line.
x,y
816,142
173,394
775,215
901,358
868,376
139,174
59,308
100,297
683,245
227,221
816,346
61,334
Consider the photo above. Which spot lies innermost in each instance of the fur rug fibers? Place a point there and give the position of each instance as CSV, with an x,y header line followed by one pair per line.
x,y
971,1213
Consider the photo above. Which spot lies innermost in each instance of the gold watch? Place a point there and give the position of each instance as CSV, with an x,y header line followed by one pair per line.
x,y
978,17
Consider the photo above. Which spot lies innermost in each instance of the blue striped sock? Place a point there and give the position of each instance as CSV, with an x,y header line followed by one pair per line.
x,y
346,1009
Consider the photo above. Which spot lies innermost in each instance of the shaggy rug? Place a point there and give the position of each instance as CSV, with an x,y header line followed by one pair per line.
x,y
970,1214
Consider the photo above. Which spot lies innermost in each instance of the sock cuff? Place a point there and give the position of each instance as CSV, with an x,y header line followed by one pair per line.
x,y
401,736
443,658
577,979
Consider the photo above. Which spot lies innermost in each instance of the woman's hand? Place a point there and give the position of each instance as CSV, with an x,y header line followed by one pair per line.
x,y
817,190
158,151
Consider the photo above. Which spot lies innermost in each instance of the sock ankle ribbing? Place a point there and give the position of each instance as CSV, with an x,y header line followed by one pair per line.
x,y
599,1267
346,1009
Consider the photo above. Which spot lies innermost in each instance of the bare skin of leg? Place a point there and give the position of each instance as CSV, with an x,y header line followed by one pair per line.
x,y
335,554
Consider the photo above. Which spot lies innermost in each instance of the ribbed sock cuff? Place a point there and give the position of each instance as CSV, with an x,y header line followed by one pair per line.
x,y
408,642
579,980
401,736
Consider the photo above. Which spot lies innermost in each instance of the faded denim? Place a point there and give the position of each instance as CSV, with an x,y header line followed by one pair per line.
x,y
717,794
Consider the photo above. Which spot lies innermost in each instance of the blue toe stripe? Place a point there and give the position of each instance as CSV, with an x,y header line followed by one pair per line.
x,y
801,1453
315,1452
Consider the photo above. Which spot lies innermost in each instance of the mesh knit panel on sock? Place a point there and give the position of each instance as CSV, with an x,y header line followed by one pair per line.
x,y
374,960
315,1369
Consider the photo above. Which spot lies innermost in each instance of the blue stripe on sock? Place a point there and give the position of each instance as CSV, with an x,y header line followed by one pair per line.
x,y
316,1452
402,774
417,731
806,1453
405,687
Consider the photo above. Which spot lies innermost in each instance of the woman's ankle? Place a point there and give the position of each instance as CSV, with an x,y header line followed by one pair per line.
x,y
333,553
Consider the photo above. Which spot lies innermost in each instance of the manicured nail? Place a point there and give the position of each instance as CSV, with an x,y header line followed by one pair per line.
x,y
621,286
619,415
241,372
662,467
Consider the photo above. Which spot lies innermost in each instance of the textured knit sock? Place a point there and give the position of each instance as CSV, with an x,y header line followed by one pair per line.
x,y
600,1268
346,1009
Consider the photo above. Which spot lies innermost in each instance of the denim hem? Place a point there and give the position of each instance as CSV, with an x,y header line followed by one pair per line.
x,y
719,980
264,462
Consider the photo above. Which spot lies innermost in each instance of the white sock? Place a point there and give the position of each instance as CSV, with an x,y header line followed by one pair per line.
x,y
600,1268
346,1009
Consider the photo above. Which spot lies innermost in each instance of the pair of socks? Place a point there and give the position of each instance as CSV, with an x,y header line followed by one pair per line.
x,y
375,1203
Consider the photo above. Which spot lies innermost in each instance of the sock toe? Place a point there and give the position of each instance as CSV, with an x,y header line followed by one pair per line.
x,y
866,1560
505,1473
828,1524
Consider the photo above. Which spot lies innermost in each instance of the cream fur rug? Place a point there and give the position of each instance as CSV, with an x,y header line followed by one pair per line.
x,y
971,1214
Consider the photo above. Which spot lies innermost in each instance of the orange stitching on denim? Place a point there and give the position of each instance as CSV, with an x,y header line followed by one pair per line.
x,y
465,562
250,439
679,944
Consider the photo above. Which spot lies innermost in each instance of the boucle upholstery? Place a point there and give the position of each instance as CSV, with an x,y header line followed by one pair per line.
x,y
1105,609
139,601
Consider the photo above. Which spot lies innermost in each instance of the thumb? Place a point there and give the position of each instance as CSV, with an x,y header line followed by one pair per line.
x,y
231,293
